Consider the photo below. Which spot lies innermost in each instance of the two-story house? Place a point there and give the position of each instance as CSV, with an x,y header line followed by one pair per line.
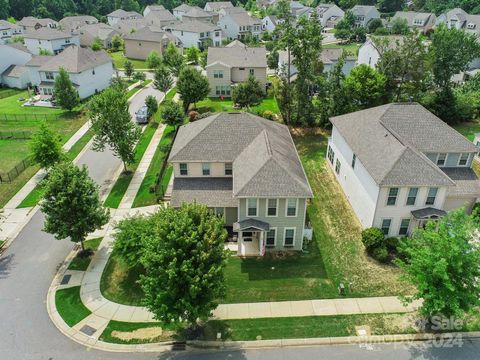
x,y
73,23
8,30
139,44
31,23
459,19
91,32
364,14
421,21
399,166
158,16
245,169
371,51
13,73
216,6
236,23
120,15
51,40
329,14
232,64
197,34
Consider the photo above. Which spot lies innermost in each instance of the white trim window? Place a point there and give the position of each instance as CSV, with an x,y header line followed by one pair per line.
x,y
330,154
412,196
183,169
271,237
404,226
441,159
228,169
252,207
392,196
206,169
432,196
291,206
386,224
272,207
218,74
337,167
463,159
289,237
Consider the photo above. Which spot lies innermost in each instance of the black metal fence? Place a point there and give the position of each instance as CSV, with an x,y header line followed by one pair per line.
x,y
15,135
27,117
14,172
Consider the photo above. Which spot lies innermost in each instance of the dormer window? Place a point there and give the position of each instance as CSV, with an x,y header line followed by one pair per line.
x,y
441,159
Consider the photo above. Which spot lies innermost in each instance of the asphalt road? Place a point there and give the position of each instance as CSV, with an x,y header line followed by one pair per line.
x,y
139,100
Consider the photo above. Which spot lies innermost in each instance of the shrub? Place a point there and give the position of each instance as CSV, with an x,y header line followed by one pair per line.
x,y
267,114
204,115
372,238
380,254
476,212
192,116
392,243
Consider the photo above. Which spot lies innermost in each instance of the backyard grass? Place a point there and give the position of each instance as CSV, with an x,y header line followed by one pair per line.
x,y
468,129
352,48
70,306
337,230
219,105
119,332
81,261
119,61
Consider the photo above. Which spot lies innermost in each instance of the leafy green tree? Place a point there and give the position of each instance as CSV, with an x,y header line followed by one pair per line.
x,y
117,42
272,60
44,52
345,28
128,68
71,204
97,44
153,60
65,93
130,237
203,58
4,9
152,105
117,81
389,6
139,76
399,26
112,124
173,59
163,79
184,264
46,147
192,54
249,93
192,86
442,262
365,87
374,24
172,113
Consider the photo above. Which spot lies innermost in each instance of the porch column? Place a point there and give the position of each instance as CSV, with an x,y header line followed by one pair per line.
x,y
239,243
260,243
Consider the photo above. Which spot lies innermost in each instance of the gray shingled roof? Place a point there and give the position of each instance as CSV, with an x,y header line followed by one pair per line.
x,y
330,56
100,30
15,71
213,192
195,11
362,9
265,161
391,140
29,21
466,181
410,16
219,5
18,46
74,22
161,15
237,54
8,25
251,224
119,13
192,26
126,26
183,7
241,17
38,60
428,213
46,33
75,59
151,33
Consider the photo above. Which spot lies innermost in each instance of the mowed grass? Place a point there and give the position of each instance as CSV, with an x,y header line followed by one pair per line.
x,y
119,61
128,330
11,151
219,105
70,306
81,261
337,230
352,48
468,129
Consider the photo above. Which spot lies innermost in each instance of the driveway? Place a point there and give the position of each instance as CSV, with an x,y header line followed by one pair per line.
x,y
139,100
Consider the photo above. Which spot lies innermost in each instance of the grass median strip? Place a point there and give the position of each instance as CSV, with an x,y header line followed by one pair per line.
x,y
82,259
69,305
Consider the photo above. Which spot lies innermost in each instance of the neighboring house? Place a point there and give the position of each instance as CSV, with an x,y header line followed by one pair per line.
x,y
197,34
126,27
263,4
180,10
399,166
329,14
420,21
364,14
369,53
16,76
120,15
298,10
90,71
216,6
245,169
237,23
198,14
51,40
459,19
227,66
149,8
139,44
269,23
159,17
73,23
329,58
30,23
103,32
7,30
12,70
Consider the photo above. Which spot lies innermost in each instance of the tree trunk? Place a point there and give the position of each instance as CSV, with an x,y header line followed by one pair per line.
x,y
124,166
287,112
83,246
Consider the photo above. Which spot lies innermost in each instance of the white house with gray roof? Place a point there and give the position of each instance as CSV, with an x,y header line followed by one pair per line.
x,y
459,19
121,15
193,33
8,30
216,6
73,23
236,23
233,64
52,40
31,23
329,14
246,169
420,21
399,166
364,14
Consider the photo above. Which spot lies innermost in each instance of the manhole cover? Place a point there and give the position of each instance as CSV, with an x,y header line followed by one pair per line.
x,y
66,279
88,330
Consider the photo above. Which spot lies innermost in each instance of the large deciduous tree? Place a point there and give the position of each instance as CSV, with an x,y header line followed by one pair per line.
x,y
112,124
163,79
365,87
249,93
172,113
65,93
46,147
173,59
192,86
153,60
128,68
71,204
184,264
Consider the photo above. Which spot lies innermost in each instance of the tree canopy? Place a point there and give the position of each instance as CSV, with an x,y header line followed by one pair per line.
x,y
46,147
65,93
248,93
192,86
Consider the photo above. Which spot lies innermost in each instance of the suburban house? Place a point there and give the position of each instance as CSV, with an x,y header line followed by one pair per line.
x,y
197,34
198,14
149,8
232,64
399,166
103,32
13,72
250,175
126,27
298,9
369,53
364,14
139,44
329,58
30,23
73,23
90,71
120,15
7,30
237,23
269,23
458,18
216,6
263,4
158,16
329,14
51,40
420,21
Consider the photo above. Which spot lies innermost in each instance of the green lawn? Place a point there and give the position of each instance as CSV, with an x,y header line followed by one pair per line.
x,y
70,306
119,61
118,327
219,105
13,151
81,261
468,129
351,48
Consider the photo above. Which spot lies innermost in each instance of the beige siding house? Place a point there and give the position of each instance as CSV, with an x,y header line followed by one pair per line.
x,y
139,44
232,64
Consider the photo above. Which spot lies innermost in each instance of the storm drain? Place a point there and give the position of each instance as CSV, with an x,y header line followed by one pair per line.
x,y
66,279
179,346
88,330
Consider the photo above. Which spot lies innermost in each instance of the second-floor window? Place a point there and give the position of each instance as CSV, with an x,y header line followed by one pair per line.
x,y
252,207
252,72
432,195
331,155
228,169
49,75
218,74
463,159
412,196
202,34
206,169
392,196
183,169
441,159
271,207
291,207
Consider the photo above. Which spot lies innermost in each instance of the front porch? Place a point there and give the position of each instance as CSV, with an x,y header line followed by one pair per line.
x,y
422,216
251,238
